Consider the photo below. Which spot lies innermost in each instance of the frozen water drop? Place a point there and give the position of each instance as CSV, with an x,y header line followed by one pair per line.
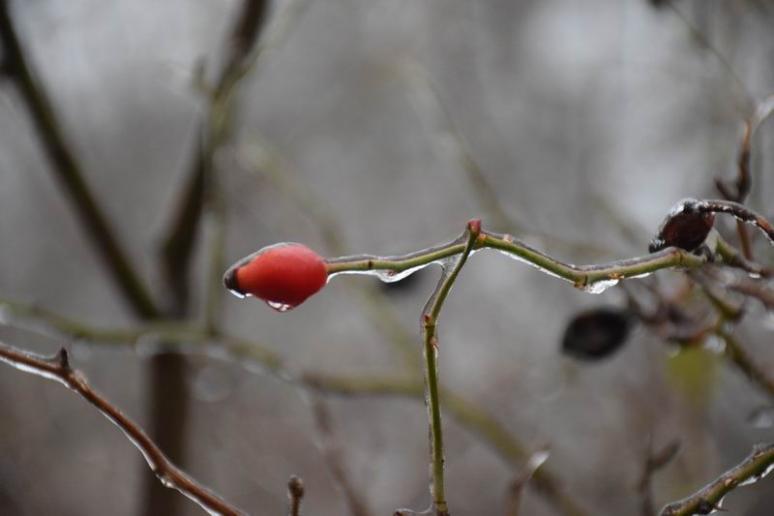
x,y
598,287
212,384
715,344
280,307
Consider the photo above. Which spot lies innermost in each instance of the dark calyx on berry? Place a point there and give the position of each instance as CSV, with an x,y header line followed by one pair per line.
x,y
686,227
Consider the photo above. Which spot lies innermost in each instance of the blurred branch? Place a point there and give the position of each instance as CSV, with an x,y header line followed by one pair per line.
x,y
517,485
707,500
334,460
65,166
743,184
703,42
746,364
188,339
58,369
654,462
430,104
212,134
295,495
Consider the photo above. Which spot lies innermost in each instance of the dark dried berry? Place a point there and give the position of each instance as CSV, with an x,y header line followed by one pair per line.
x,y
597,333
685,227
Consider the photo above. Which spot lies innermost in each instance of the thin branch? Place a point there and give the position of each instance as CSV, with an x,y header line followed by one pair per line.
x,y
517,485
707,500
593,278
743,183
654,462
215,129
433,107
295,495
190,339
430,316
64,164
58,369
333,459
746,364
702,40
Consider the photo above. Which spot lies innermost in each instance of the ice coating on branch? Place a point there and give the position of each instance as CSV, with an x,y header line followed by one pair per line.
x,y
598,287
755,478
519,259
387,275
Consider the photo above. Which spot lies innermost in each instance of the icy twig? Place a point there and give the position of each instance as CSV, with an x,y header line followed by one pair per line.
x,y
429,324
58,369
707,500
593,278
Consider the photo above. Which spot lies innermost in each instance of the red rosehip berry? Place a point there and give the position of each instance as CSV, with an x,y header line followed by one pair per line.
x,y
283,275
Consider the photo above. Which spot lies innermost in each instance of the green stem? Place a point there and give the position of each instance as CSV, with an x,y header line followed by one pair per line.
x,y
705,501
585,276
430,318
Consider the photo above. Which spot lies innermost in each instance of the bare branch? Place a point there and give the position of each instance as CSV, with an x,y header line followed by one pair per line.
x,y
707,500
214,131
334,460
654,461
525,474
64,164
189,339
58,369
295,495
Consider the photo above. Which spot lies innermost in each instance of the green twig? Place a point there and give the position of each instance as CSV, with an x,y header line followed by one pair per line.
x,y
707,500
588,277
429,324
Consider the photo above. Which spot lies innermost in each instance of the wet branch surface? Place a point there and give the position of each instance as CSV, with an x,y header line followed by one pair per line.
x,y
707,500
58,369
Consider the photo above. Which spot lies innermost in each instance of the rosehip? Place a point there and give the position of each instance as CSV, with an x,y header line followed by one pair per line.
x,y
283,275
686,227
596,333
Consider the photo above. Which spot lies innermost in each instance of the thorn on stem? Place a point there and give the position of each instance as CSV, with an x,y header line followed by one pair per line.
x,y
295,494
64,359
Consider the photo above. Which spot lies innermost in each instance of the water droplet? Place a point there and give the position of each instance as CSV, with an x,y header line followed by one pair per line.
x,y
598,287
280,307
212,384
715,344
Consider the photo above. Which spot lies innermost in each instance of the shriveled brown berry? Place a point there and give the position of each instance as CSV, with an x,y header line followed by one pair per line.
x,y
686,226
596,334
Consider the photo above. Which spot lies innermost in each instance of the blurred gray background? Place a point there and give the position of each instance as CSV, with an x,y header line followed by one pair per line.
x,y
588,119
